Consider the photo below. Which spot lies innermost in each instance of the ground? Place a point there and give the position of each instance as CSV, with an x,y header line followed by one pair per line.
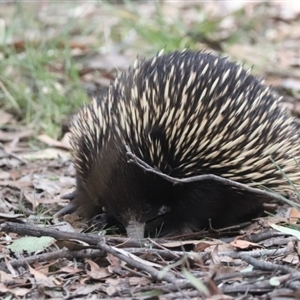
x,y
53,57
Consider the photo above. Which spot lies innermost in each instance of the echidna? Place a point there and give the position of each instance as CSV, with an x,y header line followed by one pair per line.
x,y
185,113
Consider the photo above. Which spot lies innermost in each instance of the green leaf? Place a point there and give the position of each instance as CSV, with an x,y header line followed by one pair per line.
x,y
274,281
287,230
31,244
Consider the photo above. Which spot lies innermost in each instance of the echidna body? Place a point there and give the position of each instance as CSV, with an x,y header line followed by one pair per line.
x,y
186,114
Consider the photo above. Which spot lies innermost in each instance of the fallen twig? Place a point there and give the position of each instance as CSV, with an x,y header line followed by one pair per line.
x,y
142,164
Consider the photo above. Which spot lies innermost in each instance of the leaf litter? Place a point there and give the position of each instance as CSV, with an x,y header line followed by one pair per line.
x,y
257,261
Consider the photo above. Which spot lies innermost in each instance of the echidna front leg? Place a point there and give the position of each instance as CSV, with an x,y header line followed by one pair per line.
x,y
70,208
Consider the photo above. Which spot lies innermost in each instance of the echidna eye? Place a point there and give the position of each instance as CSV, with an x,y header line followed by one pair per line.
x,y
146,208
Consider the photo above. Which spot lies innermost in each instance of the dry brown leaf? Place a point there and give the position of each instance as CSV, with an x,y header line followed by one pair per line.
x,y
64,143
266,221
75,221
20,292
201,246
42,268
108,62
4,175
66,140
69,270
6,118
3,288
141,281
36,274
84,289
7,136
294,215
241,244
113,281
94,271
220,269
72,244
50,200
5,277
111,290
43,279
221,246
115,264
114,261
16,184
291,259
224,259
